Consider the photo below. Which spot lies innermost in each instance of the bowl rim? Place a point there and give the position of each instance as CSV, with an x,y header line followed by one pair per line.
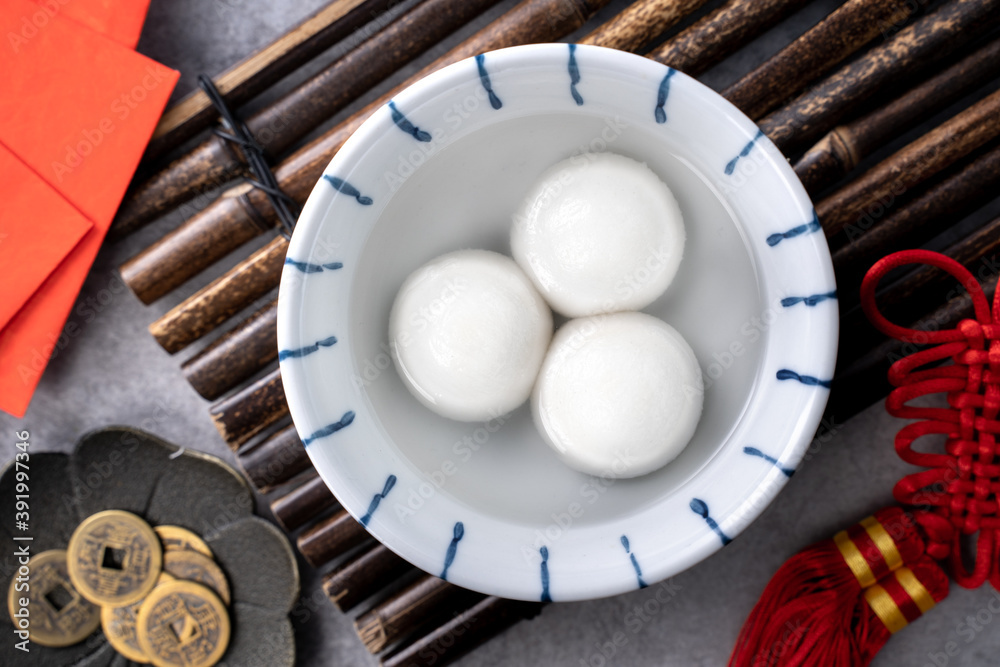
x,y
432,543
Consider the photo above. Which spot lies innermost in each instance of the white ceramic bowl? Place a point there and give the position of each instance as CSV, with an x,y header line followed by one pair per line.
x,y
442,167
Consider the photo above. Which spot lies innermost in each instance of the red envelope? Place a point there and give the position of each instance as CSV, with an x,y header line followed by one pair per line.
x,y
38,228
78,109
121,20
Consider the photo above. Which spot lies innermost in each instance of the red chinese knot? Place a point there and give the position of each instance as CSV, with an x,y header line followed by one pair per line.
x,y
959,492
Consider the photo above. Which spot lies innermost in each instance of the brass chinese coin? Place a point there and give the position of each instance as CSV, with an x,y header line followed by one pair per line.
x,y
175,538
194,566
114,558
119,623
52,610
183,624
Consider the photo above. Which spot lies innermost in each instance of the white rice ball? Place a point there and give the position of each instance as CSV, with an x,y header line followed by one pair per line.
x,y
618,395
599,233
468,332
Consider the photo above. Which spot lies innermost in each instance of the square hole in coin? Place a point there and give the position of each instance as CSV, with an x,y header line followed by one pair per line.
x,y
185,629
113,558
60,597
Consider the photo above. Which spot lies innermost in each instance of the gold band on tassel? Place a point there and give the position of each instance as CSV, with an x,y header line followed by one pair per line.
x,y
854,559
885,608
920,595
886,545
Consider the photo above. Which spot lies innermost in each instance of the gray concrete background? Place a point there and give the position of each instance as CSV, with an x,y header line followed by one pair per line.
x,y
113,372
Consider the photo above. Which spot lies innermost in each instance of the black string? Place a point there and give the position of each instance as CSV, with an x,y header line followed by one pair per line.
x,y
264,180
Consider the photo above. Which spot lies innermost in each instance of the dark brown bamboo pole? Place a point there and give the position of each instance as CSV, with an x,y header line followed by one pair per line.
x,y
878,188
331,538
255,74
861,382
426,598
251,410
212,305
916,222
721,33
274,461
303,503
230,221
927,40
841,150
906,299
462,633
237,356
363,576
285,121
641,23
814,54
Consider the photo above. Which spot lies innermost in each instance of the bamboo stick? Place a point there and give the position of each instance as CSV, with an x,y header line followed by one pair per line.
x,y
917,222
331,538
212,305
721,33
237,356
232,220
274,461
426,598
462,633
641,23
841,150
362,577
878,188
814,54
285,121
255,74
303,503
926,41
251,410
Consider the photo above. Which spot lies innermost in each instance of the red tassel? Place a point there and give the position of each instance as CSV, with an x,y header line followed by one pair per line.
x,y
813,612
